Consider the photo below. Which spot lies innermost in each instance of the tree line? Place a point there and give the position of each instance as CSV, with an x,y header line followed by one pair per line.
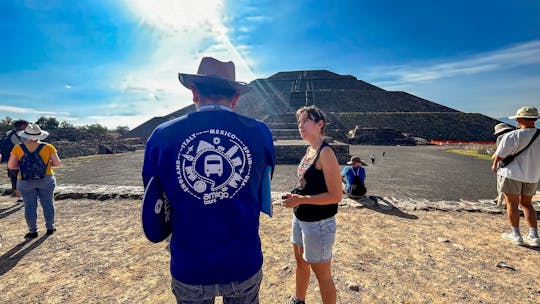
x,y
66,131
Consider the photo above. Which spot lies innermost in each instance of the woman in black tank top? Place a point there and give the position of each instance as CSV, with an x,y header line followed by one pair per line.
x,y
315,202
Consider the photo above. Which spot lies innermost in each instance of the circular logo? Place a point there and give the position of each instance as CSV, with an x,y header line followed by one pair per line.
x,y
213,165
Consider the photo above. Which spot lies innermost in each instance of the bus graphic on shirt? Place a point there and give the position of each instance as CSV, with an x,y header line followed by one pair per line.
x,y
213,165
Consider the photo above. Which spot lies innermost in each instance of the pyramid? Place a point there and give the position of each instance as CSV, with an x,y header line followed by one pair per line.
x,y
358,112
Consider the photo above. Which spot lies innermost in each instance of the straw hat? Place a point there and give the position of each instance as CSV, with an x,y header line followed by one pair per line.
x,y
215,72
526,112
33,132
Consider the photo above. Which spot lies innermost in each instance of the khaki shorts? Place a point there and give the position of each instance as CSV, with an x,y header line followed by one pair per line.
x,y
512,186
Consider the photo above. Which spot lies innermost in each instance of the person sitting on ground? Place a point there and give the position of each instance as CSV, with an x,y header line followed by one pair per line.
x,y
519,177
353,178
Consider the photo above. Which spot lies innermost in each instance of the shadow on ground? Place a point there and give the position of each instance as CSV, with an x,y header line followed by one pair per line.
x,y
9,259
382,205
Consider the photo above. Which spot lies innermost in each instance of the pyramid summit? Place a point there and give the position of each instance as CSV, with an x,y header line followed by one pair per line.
x,y
359,112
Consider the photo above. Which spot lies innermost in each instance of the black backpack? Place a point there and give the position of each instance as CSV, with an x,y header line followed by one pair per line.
x,y
357,187
31,165
6,145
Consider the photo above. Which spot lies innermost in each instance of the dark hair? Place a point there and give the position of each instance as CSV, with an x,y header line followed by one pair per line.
x,y
19,123
216,90
314,114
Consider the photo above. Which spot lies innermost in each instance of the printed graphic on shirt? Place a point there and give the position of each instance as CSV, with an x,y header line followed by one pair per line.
x,y
213,165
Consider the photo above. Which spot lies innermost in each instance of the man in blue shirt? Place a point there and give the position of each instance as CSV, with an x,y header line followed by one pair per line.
x,y
349,172
203,177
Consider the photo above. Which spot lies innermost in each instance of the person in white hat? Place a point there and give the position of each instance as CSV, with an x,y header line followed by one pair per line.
x,y
203,175
518,178
500,129
35,159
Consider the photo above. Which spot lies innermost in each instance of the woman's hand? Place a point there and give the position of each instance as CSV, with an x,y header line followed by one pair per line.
x,y
292,200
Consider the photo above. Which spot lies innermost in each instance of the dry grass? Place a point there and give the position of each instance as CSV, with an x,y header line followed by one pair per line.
x,y
470,153
100,255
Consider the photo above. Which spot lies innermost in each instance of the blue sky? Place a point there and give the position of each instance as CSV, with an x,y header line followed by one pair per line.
x,y
116,62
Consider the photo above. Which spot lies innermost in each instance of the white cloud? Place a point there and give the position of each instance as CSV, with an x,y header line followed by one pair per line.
x,y
518,55
21,110
257,18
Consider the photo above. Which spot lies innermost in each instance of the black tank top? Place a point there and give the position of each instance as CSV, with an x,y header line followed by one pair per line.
x,y
314,183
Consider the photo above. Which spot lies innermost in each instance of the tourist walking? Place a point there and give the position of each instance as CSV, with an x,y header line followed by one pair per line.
x,y
372,157
203,174
35,161
315,202
517,164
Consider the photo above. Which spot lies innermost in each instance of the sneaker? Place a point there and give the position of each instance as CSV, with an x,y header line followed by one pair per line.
x,y
294,300
31,235
533,242
51,231
516,240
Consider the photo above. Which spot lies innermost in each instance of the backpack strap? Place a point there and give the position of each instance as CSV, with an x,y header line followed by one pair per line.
x,y
532,140
25,149
39,148
15,133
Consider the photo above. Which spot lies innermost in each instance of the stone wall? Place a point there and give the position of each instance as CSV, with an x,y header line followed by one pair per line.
x,y
292,151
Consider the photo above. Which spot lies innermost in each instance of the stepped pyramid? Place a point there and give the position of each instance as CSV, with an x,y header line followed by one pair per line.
x,y
358,112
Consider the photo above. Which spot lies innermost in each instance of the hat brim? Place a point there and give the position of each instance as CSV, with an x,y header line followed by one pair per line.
x,y
503,130
41,136
188,80
524,116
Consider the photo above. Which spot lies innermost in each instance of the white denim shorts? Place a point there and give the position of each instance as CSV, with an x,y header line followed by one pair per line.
x,y
317,238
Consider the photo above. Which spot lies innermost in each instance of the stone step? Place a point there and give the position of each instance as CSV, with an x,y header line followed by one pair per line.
x,y
292,151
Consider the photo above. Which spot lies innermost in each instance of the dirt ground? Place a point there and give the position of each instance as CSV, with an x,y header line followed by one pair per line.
x,y
100,255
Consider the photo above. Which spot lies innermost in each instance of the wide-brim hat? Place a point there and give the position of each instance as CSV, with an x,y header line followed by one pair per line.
x,y
33,132
526,112
501,128
354,159
215,72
